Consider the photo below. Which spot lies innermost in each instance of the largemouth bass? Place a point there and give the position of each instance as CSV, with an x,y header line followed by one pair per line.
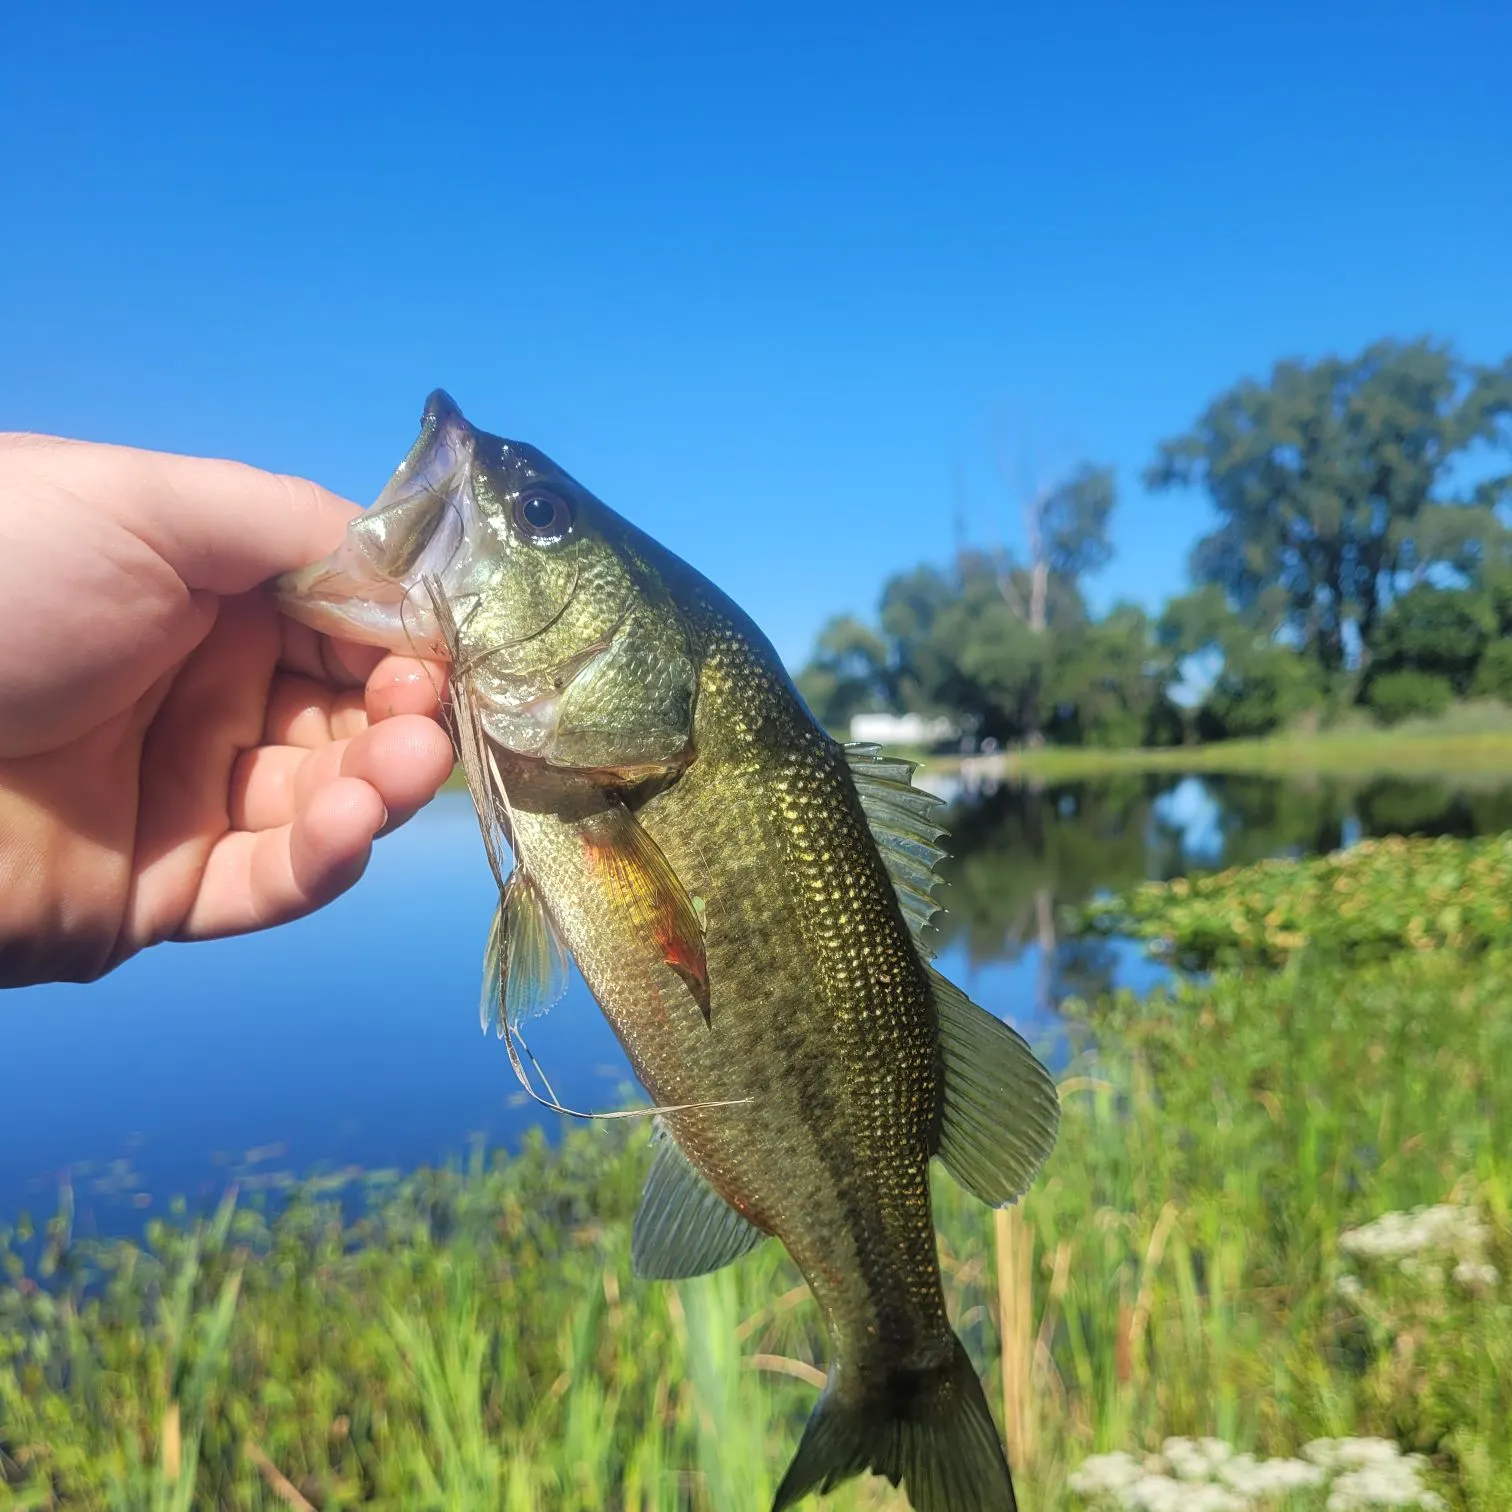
x,y
749,903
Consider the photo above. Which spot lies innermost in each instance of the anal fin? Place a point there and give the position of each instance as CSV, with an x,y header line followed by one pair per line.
x,y
683,1226
1001,1110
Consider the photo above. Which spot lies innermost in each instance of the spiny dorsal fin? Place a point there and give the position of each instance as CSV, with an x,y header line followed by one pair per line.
x,y
901,818
1001,1111
683,1226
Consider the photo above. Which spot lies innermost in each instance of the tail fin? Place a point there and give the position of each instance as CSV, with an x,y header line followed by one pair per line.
x,y
930,1430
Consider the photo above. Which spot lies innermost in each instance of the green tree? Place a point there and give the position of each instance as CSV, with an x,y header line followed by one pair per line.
x,y
1107,682
921,621
1003,645
964,644
848,673
1334,486
1442,632
1254,683
1200,623
1067,529
1261,687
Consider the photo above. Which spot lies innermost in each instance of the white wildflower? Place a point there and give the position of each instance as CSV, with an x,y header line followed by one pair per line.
x,y
1351,1288
1161,1493
1476,1275
1425,1271
1105,1474
1351,1453
1446,1229
1207,1475
1195,1459
1269,1478
1394,1485
1371,1472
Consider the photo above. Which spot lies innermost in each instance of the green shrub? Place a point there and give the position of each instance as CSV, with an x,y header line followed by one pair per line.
x,y
1395,696
1165,724
1434,630
1260,689
1493,677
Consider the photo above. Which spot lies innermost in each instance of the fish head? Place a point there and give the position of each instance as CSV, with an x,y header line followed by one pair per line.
x,y
555,609
458,507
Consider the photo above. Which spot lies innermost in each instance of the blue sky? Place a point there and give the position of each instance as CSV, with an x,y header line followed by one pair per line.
x,y
779,283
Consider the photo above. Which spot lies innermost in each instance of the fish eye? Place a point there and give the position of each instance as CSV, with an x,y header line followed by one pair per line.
x,y
542,516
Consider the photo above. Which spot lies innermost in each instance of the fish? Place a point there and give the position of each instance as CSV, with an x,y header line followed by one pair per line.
x,y
750,903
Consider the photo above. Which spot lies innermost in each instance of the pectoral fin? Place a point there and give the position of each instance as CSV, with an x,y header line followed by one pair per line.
x,y
684,1227
639,881
1001,1110
524,963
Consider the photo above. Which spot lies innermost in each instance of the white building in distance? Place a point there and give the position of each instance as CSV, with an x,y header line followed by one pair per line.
x,y
902,729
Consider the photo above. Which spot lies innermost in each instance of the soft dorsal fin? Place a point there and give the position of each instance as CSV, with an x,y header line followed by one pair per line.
x,y
1001,1110
901,819
683,1226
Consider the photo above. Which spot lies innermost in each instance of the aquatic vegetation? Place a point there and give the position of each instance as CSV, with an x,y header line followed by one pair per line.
x,y
1379,897
476,1339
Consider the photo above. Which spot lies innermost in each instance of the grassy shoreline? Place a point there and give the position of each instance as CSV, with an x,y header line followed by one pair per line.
x,y
1350,752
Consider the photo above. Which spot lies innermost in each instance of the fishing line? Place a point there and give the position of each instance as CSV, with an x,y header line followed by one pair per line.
x,y
556,1107
480,765
482,656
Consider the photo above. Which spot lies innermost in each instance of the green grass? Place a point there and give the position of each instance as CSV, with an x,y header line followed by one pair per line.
x,y
1471,738
477,1341
1350,753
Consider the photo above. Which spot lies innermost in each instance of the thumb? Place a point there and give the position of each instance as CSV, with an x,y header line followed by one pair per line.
x,y
221,526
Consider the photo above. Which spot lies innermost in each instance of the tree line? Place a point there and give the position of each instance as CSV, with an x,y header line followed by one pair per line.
x,y
1361,558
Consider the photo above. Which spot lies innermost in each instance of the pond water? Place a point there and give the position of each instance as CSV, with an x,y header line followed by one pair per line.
x,y
350,1041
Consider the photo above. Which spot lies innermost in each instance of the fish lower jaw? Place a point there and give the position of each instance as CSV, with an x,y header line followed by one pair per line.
x,y
403,625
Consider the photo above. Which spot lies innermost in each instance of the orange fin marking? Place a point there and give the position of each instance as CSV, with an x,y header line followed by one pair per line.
x,y
639,880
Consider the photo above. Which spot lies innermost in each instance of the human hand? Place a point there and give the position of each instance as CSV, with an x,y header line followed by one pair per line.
x,y
179,761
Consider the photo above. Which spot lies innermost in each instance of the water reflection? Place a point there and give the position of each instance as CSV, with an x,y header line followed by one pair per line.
x,y
350,1041
1022,852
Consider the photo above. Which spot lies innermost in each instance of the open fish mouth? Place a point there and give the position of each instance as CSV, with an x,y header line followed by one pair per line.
x,y
373,587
